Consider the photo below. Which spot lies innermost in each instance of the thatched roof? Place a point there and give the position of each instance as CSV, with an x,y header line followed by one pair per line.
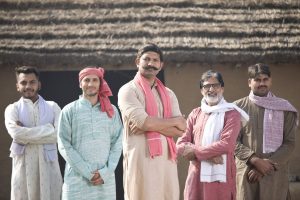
x,y
68,34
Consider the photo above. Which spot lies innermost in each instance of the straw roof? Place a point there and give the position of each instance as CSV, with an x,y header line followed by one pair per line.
x,y
68,34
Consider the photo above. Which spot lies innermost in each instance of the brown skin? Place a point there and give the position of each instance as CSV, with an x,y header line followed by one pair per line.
x,y
90,88
149,65
260,85
28,86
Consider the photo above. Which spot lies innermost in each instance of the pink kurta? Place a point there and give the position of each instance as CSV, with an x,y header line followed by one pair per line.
x,y
194,189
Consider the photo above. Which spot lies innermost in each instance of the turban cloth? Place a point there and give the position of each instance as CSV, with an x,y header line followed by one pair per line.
x,y
104,90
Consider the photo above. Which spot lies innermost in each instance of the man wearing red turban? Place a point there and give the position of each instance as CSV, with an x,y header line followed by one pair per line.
x,y
89,139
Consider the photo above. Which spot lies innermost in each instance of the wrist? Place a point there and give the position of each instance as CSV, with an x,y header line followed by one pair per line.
x,y
253,159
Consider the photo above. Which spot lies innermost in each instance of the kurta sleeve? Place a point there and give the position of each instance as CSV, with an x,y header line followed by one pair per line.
x,y
130,105
66,149
284,152
115,150
34,135
226,144
187,137
243,152
174,103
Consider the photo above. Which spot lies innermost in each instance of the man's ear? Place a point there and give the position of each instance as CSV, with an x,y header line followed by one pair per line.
x,y
137,61
249,82
161,65
17,86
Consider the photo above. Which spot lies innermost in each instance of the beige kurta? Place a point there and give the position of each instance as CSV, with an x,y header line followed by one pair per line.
x,y
145,178
33,178
250,141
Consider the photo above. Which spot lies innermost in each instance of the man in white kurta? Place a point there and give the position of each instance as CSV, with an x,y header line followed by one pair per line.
x,y
149,177
32,122
90,140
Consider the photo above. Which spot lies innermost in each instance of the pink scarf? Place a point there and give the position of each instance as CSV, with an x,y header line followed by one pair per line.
x,y
273,119
104,90
153,138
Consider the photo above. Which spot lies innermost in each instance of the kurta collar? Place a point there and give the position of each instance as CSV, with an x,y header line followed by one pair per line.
x,y
86,102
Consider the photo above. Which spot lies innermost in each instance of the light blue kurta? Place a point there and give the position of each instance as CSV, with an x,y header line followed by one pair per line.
x,y
89,140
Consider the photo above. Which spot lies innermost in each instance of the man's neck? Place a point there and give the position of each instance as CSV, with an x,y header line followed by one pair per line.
x,y
92,99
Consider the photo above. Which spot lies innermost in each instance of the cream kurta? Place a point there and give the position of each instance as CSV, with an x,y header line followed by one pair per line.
x,y
145,178
250,141
33,178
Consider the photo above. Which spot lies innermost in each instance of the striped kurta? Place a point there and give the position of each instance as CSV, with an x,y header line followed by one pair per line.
x,y
89,140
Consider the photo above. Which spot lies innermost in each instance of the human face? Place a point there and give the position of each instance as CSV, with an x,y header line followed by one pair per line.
x,y
90,85
260,85
28,86
149,65
212,91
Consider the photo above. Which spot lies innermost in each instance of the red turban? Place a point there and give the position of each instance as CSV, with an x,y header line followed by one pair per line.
x,y
104,90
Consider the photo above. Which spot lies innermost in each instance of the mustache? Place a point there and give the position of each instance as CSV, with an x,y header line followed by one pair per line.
x,y
263,86
150,67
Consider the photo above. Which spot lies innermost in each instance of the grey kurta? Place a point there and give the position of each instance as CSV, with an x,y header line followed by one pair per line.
x,y
250,141
145,178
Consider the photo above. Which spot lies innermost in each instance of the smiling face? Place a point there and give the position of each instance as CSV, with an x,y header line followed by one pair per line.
x,y
212,91
90,85
149,65
28,86
260,85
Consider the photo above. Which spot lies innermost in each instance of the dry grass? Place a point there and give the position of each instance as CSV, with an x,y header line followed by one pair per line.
x,y
226,29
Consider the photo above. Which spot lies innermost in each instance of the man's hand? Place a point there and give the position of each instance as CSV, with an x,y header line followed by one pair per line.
x,y
254,176
264,166
96,179
134,129
181,123
189,153
216,160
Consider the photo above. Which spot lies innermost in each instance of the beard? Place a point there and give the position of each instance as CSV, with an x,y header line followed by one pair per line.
x,y
213,99
29,93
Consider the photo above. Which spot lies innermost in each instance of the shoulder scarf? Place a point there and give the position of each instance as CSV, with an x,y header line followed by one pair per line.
x,y
153,138
46,115
213,127
273,119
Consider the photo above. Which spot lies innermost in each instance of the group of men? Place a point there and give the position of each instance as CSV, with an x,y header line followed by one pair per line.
x,y
236,150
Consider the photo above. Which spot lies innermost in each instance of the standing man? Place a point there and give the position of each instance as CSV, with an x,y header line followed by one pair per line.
x,y
151,119
89,139
32,122
209,141
265,144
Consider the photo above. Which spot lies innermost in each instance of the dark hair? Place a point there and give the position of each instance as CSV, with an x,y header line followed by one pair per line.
x,y
209,74
150,47
27,70
259,68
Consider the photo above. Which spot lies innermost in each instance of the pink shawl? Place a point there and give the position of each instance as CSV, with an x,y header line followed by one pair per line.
x,y
104,90
273,119
153,138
